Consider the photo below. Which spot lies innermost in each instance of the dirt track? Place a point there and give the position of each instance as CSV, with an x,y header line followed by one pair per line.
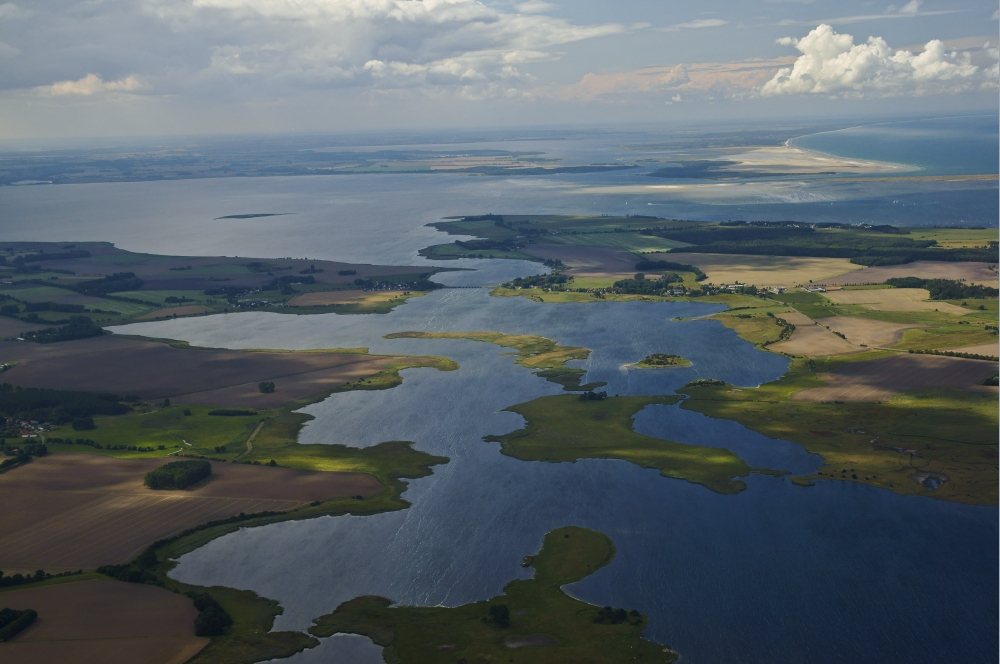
x,y
80,511
878,380
153,370
103,622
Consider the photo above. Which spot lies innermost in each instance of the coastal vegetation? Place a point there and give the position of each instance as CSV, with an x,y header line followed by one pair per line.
x,y
662,361
533,618
564,428
947,432
545,356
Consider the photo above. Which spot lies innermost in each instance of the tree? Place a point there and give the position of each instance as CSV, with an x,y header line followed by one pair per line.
x,y
84,424
266,387
500,614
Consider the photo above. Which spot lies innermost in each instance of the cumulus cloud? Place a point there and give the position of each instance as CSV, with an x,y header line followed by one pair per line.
x,y
378,43
832,64
700,23
91,84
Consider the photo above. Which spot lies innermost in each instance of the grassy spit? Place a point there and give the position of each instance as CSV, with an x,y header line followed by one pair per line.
x,y
566,428
565,629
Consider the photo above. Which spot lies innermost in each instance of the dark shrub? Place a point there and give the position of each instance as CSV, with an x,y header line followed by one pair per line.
x,y
84,424
178,474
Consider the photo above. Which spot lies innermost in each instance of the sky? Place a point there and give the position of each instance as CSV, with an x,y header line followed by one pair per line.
x,y
91,68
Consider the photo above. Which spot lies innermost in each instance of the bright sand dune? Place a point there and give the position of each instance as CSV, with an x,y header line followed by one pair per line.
x,y
867,332
894,299
810,339
784,271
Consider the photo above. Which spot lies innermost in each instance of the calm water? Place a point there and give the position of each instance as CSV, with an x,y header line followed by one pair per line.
x,y
777,573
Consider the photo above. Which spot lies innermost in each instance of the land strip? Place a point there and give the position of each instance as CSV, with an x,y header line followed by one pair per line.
x,y
566,428
49,282
537,618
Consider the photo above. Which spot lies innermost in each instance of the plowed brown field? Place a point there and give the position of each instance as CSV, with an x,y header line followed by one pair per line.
x,y
80,511
154,370
878,380
103,622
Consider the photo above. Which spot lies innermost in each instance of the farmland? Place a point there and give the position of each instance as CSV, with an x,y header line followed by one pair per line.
x,y
786,271
893,299
881,379
157,370
105,621
79,511
942,431
810,339
976,273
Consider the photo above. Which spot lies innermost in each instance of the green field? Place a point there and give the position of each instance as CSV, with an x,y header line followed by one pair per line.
x,y
948,431
566,428
536,606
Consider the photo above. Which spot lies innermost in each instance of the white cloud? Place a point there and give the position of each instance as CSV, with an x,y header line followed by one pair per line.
x,y
910,10
699,23
535,7
91,84
9,10
8,51
832,64
378,43
996,15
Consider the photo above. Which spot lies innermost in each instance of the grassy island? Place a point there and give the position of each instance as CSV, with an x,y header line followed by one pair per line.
x,y
945,434
532,621
662,361
533,352
567,428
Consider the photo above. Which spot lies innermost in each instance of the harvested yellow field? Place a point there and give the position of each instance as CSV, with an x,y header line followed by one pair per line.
x,y
326,298
894,299
786,271
991,350
984,274
864,332
810,339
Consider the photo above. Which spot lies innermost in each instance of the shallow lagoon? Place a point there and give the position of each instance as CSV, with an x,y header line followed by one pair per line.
x,y
778,573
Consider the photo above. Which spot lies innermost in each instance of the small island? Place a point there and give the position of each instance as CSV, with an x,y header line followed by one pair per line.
x,y
661,361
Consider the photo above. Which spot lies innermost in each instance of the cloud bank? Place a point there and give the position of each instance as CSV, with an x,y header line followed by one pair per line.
x,y
832,64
